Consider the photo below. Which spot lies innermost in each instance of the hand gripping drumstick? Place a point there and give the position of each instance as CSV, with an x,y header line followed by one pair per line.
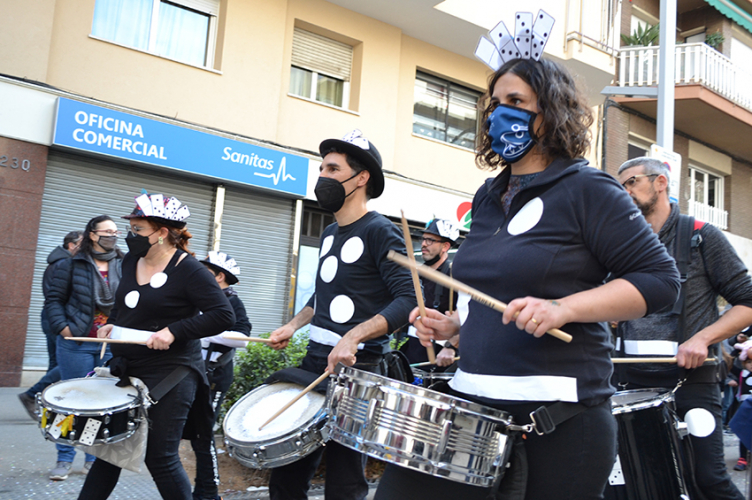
x,y
650,360
296,398
416,280
477,295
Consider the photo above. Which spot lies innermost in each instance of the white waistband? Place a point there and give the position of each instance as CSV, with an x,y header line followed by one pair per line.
x,y
326,337
529,388
121,333
648,347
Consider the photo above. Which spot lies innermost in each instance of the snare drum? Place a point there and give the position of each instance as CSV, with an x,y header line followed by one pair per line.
x,y
89,411
418,428
430,379
297,432
650,463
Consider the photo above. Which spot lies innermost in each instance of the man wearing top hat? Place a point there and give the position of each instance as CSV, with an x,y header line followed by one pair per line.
x,y
360,297
438,238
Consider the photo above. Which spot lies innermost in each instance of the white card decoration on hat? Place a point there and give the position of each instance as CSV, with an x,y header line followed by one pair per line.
x,y
447,229
356,137
523,33
144,204
182,213
171,208
487,53
220,259
157,205
531,36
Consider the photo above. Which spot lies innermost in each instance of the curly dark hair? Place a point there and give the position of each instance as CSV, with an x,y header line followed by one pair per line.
x,y
566,115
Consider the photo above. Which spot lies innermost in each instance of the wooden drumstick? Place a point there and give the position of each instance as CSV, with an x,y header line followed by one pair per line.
x,y
416,280
477,295
296,398
104,348
451,293
243,338
650,360
416,365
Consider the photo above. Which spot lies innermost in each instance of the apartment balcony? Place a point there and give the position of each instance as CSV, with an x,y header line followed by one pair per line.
x,y
711,215
713,96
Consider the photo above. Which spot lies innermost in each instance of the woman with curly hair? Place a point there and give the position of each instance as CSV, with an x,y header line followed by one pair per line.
x,y
545,234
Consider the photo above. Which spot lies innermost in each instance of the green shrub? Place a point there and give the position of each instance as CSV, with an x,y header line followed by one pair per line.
x,y
642,37
257,361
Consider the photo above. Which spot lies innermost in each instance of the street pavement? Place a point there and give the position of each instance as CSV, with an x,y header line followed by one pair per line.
x,y
26,458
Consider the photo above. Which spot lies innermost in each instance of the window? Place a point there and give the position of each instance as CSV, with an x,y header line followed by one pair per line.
x,y
636,151
706,197
321,68
182,30
445,111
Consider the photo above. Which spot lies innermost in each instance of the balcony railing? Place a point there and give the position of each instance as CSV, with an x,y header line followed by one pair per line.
x,y
711,215
695,63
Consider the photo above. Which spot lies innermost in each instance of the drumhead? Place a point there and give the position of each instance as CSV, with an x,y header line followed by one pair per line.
x,y
89,394
637,399
252,410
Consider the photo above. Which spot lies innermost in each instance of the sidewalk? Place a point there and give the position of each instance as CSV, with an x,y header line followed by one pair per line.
x,y
27,458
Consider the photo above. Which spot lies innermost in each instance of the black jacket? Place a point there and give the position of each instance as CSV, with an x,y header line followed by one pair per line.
x,y
56,255
70,299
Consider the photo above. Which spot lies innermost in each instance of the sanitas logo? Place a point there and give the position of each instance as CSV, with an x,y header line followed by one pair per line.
x,y
464,214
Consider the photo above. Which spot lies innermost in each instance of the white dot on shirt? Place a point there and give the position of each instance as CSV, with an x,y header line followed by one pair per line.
x,y
700,422
131,300
352,250
341,309
158,280
329,269
527,217
326,245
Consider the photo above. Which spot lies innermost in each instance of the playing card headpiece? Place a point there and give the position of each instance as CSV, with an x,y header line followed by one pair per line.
x,y
443,228
364,151
530,37
221,262
167,211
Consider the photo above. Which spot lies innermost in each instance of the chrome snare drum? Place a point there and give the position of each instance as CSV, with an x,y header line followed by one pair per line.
x,y
88,411
297,432
418,428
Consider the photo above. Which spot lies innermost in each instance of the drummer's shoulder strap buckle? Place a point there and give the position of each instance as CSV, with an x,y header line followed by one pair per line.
x,y
545,419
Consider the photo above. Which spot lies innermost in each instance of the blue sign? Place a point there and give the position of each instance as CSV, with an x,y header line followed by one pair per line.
x,y
100,130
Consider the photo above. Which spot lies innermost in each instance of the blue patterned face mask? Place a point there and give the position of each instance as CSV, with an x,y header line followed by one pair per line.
x,y
509,129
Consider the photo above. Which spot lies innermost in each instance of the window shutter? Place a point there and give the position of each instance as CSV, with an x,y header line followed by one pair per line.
x,y
321,54
210,7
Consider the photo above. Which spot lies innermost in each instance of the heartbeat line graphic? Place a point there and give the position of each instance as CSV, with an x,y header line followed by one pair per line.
x,y
280,173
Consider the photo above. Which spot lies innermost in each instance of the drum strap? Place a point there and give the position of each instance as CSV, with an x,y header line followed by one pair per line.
x,y
168,383
546,418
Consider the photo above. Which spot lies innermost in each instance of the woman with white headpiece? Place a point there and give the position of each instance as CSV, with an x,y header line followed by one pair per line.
x,y
545,234
218,352
162,290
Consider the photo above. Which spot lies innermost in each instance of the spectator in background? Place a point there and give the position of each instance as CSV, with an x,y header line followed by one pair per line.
x,y
70,244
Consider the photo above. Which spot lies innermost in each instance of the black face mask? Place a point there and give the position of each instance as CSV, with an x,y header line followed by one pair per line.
x,y
432,261
138,245
107,242
330,193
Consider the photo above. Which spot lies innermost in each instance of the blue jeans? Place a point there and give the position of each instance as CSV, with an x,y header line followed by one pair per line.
x,y
76,360
53,372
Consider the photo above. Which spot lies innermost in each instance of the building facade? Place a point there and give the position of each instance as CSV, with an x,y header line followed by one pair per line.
x,y
222,103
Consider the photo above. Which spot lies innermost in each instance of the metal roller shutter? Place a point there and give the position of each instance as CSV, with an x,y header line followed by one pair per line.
x,y
321,54
257,233
78,189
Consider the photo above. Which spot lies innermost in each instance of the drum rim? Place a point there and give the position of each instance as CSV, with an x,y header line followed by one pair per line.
x,y
98,412
501,417
321,415
663,396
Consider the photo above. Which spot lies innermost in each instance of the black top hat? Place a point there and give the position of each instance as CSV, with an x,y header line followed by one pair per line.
x,y
360,148
223,263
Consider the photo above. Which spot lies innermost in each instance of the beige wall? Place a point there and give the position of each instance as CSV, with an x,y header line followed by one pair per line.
x,y
25,37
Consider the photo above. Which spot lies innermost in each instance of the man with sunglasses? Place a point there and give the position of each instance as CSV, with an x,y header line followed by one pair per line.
x,y
438,238
709,267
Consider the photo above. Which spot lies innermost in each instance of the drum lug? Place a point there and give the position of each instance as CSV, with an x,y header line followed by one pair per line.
x,y
107,419
72,435
446,430
105,434
681,428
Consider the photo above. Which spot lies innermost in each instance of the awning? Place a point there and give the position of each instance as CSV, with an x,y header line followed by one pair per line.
x,y
733,12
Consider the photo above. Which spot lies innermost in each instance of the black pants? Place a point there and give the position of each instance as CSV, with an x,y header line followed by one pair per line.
x,y
573,462
166,421
345,476
207,470
711,474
